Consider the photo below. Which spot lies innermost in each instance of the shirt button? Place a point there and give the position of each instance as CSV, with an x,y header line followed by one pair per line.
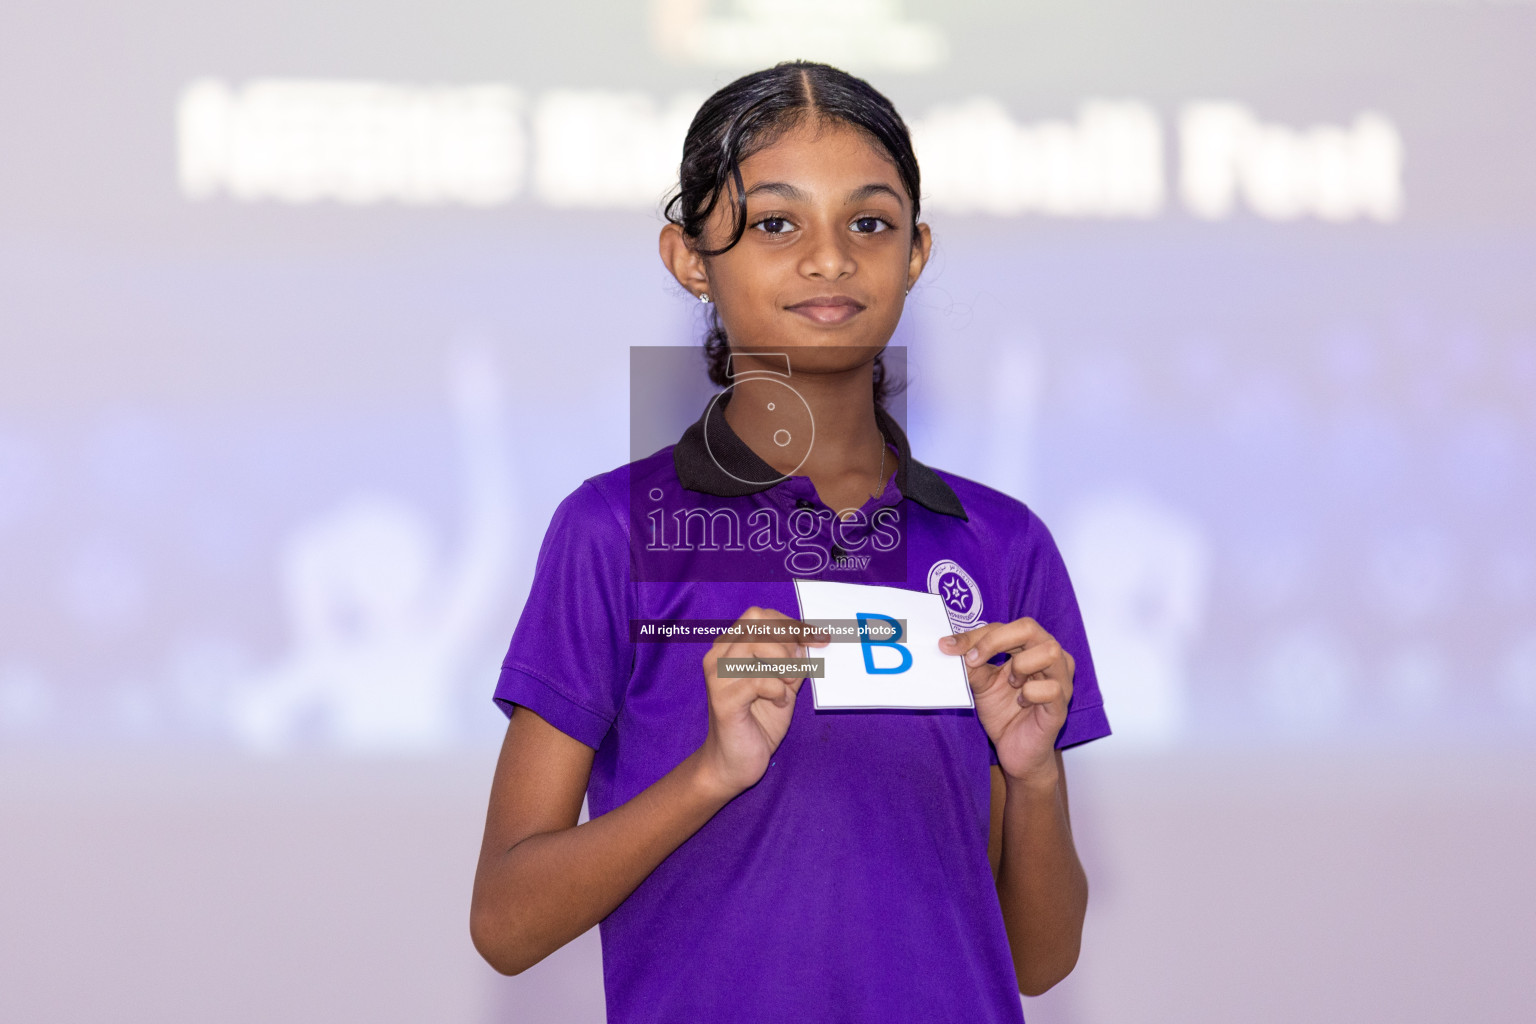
x,y
837,553
802,503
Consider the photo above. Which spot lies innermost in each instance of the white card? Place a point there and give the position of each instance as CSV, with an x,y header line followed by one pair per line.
x,y
908,672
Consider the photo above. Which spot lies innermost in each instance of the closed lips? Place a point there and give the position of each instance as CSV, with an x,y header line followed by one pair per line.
x,y
828,308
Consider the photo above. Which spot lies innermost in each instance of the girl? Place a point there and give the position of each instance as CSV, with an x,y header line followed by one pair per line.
x,y
748,857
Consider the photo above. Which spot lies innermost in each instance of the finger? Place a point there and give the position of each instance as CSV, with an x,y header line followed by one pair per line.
x,y
983,678
771,688
796,630
1017,635
987,674
766,652
1006,636
735,633
978,645
1058,665
1011,675
962,642
739,693
784,651
1043,692
756,616
1038,659
1043,657
813,634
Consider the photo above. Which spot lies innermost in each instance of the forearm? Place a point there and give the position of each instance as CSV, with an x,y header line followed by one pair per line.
x,y
551,887
1040,882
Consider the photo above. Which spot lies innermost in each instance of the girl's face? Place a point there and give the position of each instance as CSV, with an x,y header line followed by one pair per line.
x,y
827,257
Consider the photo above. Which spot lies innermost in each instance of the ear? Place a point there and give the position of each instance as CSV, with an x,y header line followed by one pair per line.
x,y
922,243
683,260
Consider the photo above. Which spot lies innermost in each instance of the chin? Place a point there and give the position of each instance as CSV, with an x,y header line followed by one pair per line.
x,y
822,352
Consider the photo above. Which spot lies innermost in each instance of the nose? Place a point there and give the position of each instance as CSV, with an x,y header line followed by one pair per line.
x,y
828,255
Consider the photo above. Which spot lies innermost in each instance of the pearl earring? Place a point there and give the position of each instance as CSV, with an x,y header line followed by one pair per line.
x,y
704,297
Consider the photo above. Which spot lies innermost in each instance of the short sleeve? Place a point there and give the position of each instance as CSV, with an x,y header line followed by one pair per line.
x,y
571,654
1045,594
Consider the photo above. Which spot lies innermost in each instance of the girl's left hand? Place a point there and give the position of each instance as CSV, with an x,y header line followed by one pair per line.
x,y
1022,703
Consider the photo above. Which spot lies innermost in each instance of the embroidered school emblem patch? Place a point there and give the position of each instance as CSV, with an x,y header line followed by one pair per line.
x,y
961,595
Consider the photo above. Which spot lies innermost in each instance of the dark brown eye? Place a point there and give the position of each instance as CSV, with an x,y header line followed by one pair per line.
x,y
869,225
773,225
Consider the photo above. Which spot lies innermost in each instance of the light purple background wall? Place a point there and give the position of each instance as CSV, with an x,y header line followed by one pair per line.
x,y
272,477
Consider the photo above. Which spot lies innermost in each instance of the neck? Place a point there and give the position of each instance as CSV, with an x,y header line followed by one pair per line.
x,y
775,417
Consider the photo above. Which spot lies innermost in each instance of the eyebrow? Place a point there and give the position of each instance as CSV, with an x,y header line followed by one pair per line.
x,y
864,192
784,190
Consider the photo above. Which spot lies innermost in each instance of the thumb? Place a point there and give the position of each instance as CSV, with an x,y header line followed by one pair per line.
x,y
986,677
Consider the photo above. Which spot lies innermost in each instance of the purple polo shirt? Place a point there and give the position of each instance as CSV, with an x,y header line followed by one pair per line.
x,y
852,882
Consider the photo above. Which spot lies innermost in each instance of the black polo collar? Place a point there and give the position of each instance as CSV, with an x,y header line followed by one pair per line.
x,y
734,468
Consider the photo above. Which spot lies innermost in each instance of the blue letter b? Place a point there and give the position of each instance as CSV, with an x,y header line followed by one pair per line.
x,y
867,645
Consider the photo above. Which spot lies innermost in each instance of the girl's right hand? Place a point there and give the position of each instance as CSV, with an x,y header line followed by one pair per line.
x,y
749,715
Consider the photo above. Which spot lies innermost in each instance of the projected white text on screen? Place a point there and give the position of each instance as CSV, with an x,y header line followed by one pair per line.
x,y
363,143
